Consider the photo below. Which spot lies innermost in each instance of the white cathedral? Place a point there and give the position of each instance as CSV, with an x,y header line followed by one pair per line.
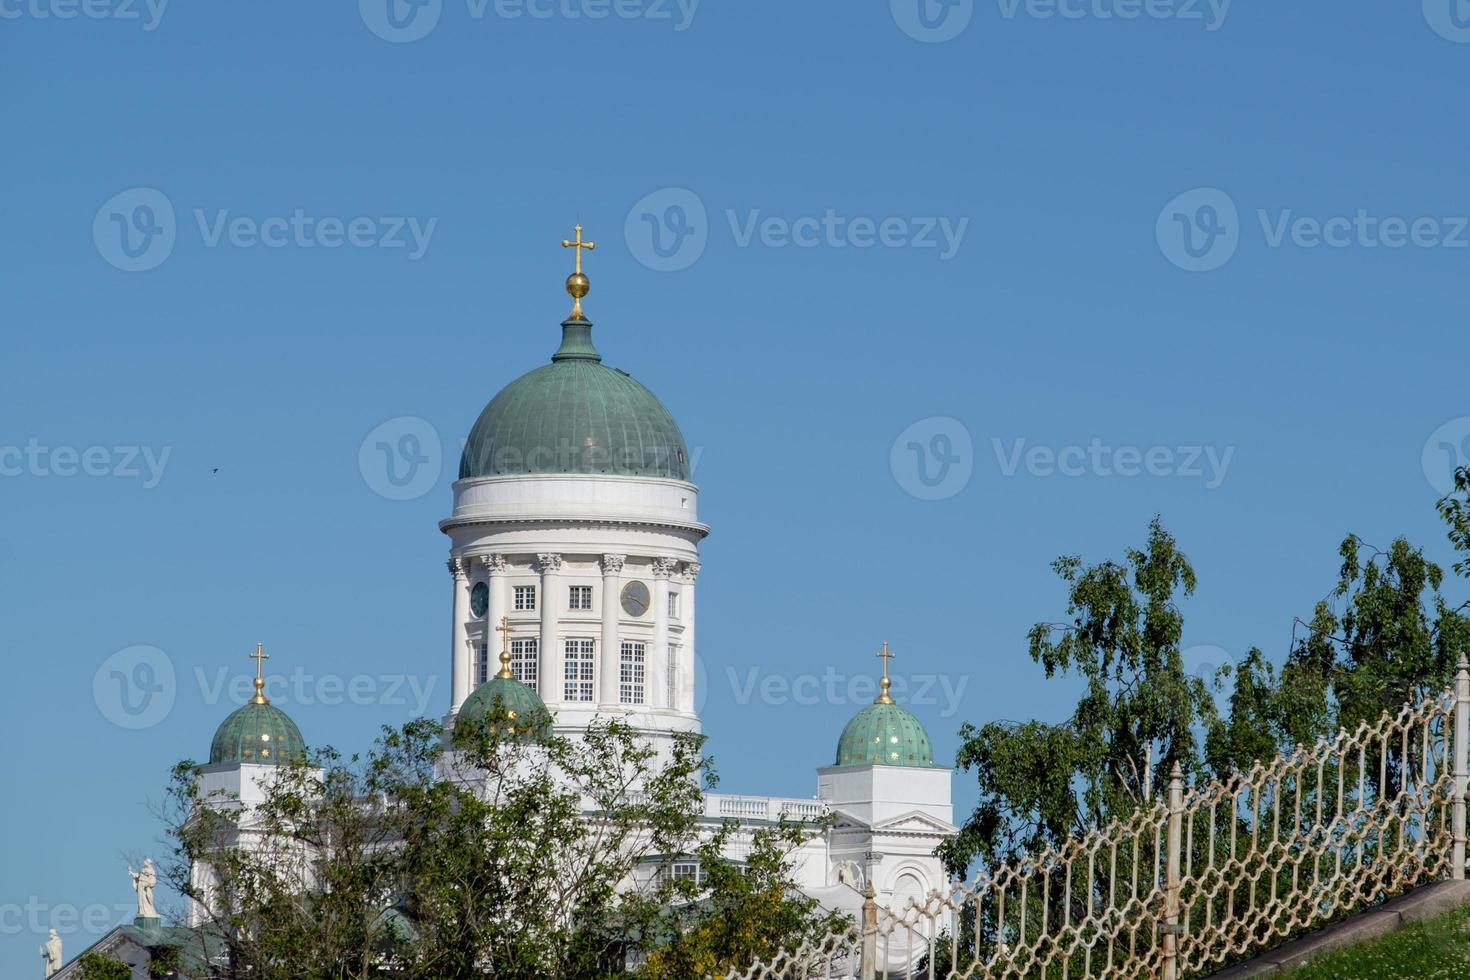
x,y
575,524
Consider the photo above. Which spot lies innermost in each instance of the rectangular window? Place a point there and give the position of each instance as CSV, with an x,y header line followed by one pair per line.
x,y
482,664
525,598
630,679
687,871
580,597
524,660
581,656
671,681
673,605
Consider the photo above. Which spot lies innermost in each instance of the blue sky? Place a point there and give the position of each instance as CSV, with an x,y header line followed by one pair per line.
x,y
1205,262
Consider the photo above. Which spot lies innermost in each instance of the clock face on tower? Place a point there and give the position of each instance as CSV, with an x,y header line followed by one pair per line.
x,y
479,599
635,598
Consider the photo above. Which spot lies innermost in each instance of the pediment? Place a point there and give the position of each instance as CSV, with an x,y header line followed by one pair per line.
x,y
916,822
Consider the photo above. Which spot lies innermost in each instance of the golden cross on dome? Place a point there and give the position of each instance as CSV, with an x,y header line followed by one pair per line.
x,y
260,657
578,245
504,630
883,696
577,284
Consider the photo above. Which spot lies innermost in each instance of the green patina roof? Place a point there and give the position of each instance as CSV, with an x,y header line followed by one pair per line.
x,y
199,949
884,734
575,415
258,733
522,707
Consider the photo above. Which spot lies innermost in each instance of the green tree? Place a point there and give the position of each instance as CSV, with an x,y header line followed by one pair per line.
x,y
509,852
1041,782
99,966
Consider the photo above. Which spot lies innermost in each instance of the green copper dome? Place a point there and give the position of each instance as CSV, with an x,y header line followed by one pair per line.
x,y
522,707
258,733
884,734
575,415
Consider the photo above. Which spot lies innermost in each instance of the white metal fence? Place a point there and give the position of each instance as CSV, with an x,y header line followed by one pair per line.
x,y
1211,874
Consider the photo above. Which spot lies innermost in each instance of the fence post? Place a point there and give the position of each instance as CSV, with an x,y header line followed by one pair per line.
x,y
869,970
1462,747
1170,928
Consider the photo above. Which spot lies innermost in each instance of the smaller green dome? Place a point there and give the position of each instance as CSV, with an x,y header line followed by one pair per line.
x,y
258,733
524,711
884,734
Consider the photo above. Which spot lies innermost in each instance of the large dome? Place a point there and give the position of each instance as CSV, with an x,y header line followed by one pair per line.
x,y
575,415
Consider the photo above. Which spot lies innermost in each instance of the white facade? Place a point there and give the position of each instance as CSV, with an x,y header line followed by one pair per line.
x,y
544,535
531,541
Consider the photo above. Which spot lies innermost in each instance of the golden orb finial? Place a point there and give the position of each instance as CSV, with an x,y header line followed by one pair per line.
x,y
578,285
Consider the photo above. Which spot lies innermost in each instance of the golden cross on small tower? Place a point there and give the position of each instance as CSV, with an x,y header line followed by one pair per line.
x,y
578,285
504,630
883,696
260,657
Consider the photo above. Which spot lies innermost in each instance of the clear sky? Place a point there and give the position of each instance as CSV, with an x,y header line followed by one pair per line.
x,y
936,293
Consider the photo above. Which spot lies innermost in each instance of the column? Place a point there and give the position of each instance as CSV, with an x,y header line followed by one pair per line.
x,y
458,636
663,569
495,570
610,661
686,654
550,669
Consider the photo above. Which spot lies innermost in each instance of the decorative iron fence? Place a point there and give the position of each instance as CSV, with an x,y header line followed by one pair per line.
x,y
1209,875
